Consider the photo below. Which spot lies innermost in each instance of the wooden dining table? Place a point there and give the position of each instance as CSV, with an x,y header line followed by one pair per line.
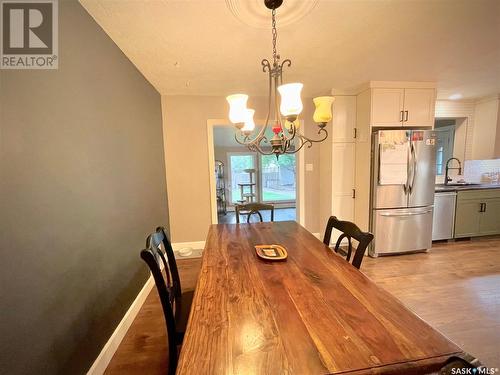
x,y
313,313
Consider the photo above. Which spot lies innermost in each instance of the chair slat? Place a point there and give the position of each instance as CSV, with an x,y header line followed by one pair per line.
x,y
250,209
349,230
159,249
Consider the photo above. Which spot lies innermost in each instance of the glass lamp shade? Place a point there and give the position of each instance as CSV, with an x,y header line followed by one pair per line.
x,y
323,112
237,108
291,103
249,125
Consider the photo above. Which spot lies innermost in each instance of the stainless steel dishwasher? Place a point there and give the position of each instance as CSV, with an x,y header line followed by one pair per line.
x,y
443,222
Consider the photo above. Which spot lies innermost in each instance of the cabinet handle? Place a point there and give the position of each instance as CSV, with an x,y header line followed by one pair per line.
x,y
484,207
406,115
401,117
353,193
355,133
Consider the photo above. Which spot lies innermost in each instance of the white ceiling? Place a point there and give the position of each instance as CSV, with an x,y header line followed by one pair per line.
x,y
199,47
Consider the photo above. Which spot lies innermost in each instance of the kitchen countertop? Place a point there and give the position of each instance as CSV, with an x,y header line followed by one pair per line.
x,y
440,188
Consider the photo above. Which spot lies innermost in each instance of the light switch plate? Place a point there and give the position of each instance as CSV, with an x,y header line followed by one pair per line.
x,y
309,167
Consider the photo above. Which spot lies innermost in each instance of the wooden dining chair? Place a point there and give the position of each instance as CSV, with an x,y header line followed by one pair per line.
x,y
349,231
462,364
182,300
152,258
250,209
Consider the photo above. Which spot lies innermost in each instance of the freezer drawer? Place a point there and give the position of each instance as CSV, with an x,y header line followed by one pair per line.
x,y
444,216
402,230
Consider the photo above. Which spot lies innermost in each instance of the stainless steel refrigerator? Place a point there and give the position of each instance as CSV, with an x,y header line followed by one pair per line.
x,y
402,191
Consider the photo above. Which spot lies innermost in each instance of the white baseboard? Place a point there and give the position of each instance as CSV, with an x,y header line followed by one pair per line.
x,y
317,235
195,247
109,349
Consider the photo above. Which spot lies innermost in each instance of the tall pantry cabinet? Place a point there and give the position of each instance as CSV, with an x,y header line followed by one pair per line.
x,y
342,157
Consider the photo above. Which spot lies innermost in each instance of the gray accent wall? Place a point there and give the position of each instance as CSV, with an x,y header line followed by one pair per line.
x,y
82,181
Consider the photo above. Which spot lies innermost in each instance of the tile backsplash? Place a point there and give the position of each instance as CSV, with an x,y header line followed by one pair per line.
x,y
482,171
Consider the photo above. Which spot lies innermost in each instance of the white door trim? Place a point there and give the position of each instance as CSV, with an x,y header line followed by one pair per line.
x,y
211,169
301,162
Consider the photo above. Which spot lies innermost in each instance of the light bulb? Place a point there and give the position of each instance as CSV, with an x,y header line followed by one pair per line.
x,y
291,103
323,112
237,108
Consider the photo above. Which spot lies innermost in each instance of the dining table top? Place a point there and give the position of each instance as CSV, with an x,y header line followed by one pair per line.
x,y
313,313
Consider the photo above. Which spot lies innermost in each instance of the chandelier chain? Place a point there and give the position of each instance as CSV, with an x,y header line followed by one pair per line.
x,y
275,36
280,143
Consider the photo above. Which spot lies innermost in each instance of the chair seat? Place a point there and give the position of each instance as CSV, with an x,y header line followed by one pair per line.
x,y
182,319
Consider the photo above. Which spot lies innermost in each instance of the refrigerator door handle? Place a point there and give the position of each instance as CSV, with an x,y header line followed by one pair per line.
x,y
406,213
406,186
414,166
378,162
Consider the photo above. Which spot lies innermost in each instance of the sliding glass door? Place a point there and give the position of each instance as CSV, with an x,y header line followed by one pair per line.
x,y
271,181
278,178
242,180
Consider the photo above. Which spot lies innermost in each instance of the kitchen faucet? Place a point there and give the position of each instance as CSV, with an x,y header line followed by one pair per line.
x,y
446,177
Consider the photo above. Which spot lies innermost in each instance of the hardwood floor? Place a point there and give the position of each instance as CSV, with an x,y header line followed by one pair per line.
x,y
455,288
144,347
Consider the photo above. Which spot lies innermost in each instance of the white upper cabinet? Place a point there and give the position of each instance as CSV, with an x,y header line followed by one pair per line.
x,y
419,107
402,107
387,107
344,119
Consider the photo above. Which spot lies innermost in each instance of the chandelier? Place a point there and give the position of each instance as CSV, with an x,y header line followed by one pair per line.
x,y
286,138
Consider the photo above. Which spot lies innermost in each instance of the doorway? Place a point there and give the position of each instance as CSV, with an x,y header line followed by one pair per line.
x,y
445,138
451,141
253,177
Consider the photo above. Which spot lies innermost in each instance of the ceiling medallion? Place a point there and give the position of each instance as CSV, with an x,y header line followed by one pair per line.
x,y
252,13
286,139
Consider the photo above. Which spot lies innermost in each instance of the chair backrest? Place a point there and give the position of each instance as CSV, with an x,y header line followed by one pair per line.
x,y
462,364
152,257
349,230
159,241
250,209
